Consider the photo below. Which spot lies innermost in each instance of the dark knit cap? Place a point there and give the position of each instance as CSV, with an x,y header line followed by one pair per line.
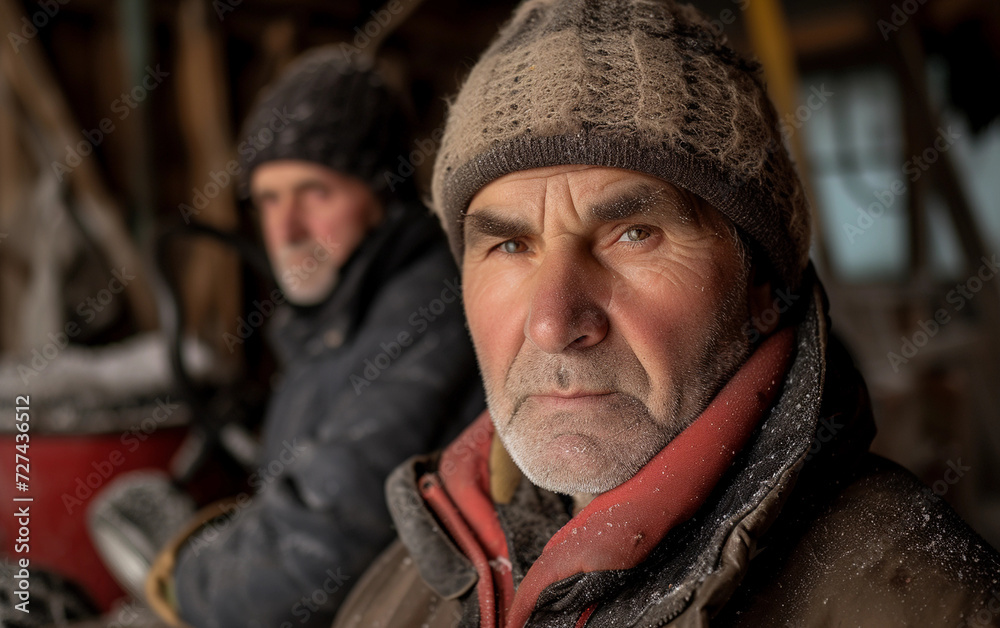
x,y
328,108
644,85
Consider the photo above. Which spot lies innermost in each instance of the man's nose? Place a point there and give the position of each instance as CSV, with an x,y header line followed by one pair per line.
x,y
568,299
293,224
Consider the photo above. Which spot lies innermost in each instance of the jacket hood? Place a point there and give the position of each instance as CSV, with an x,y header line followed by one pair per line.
x,y
816,422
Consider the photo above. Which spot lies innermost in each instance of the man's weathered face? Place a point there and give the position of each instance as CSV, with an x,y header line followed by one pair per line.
x,y
606,309
312,219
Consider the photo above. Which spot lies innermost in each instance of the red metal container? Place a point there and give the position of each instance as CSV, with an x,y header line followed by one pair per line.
x,y
65,473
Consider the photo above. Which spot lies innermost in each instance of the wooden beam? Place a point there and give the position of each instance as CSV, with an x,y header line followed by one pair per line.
x,y
210,283
770,37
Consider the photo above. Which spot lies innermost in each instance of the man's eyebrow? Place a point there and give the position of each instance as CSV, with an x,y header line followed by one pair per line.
x,y
490,222
310,183
258,196
642,199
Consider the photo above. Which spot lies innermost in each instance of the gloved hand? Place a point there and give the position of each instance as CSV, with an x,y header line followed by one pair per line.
x,y
132,520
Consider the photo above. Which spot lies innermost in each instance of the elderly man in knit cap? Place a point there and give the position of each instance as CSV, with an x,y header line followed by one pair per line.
x,y
378,363
673,437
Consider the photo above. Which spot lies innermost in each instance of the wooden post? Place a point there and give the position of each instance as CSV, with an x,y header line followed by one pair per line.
x,y
210,282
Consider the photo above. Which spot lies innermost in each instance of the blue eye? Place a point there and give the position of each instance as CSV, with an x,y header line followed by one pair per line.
x,y
512,246
634,234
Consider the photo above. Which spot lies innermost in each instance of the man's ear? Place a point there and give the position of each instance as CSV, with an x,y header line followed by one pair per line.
x,y
760,298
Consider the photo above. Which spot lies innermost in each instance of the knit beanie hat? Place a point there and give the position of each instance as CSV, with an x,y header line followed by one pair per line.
x,y
328,108
645,85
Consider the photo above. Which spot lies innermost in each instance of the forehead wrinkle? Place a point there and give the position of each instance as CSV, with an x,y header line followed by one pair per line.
x,y
643,199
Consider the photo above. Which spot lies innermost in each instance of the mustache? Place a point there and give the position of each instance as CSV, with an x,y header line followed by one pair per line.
x,y
307,247
598,368
298,252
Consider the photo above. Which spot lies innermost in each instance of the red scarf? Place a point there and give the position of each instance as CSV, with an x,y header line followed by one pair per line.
x,y
619,528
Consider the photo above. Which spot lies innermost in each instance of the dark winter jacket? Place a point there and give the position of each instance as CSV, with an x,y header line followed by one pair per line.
x,y
805,528
379,372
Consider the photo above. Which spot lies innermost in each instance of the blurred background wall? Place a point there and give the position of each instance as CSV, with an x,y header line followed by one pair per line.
x,y
118,120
